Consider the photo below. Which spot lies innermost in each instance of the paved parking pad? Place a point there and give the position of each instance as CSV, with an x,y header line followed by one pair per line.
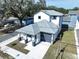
x,y
39,51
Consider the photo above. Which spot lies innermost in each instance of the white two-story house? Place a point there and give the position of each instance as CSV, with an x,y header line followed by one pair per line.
x,y
46,27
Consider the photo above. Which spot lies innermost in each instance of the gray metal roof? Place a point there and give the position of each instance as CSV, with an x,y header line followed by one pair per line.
x,y
52,12
47,27
30,29
42,26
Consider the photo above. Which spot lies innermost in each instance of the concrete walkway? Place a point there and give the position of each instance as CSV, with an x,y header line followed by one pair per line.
x,y
77,43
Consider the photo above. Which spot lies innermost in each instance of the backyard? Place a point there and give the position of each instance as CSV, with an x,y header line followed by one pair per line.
x,y
64,48
18,46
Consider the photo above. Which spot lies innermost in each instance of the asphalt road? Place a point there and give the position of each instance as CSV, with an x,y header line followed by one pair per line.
x,y
7,36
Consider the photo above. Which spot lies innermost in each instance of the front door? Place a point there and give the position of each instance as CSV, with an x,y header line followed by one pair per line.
x,y
42,36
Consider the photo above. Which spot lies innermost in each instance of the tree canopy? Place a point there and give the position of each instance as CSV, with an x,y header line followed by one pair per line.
x,y
20,8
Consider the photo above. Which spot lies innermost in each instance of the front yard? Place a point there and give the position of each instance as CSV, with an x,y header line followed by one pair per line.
x,y
18,46
63,49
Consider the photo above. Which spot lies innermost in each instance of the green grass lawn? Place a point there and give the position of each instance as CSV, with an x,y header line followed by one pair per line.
x,y
5,56
64,49
18,46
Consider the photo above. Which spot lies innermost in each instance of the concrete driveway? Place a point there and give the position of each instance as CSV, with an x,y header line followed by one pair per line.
x,y
39,51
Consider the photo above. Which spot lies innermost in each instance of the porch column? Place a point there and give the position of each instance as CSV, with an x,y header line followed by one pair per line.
x,y
26,39
20,38
52,39
33,40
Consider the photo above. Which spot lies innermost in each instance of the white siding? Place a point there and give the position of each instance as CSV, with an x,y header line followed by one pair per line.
x,y
33,38
52,39
38,38
56,21
24,36
43,17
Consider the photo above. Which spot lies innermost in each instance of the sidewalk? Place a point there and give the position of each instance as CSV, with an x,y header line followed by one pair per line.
x,y
77,43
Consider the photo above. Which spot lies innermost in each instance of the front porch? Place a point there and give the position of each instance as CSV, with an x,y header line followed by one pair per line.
x,y
35,39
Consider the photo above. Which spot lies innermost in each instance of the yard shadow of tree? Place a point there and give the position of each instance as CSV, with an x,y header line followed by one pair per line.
x,y
60,35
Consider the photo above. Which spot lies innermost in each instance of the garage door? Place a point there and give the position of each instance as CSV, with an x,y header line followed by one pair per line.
x,y
46,37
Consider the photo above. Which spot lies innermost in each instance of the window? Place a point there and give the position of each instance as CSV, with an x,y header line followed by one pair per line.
x,y
39,17
54,17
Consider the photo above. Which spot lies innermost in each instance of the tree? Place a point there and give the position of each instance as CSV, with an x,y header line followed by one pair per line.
x,y
65,11
62,10
75,8
18,8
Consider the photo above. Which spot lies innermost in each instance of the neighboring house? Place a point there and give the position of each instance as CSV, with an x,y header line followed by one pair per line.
x,y
14,20
46,27
27,21
77,23
73,12
70,19
10,20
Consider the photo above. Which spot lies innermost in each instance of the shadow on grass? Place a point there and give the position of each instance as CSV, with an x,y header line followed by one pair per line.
x,y
60,35
61,52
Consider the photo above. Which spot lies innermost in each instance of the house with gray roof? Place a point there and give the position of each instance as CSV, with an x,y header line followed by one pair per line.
x,y
71,18
73,12
46,27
